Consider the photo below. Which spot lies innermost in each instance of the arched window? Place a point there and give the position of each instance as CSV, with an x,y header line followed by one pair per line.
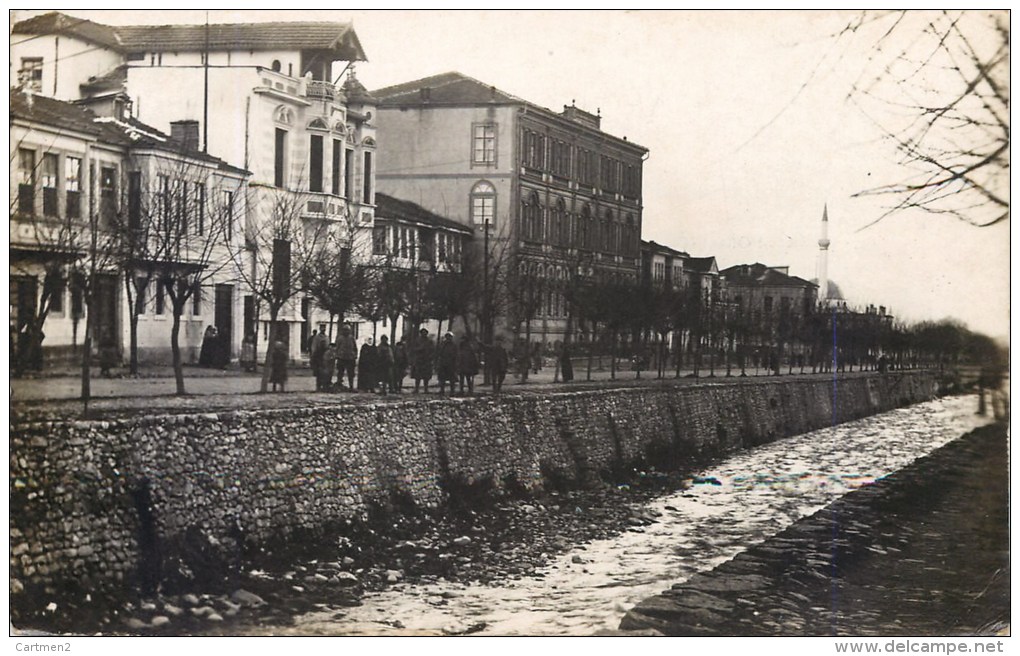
x,y
283,115
276,66
531,218
584,236
629,246
318,124
558,226
483,203
607,232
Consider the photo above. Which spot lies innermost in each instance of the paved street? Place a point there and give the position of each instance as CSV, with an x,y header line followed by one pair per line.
x,y
159,381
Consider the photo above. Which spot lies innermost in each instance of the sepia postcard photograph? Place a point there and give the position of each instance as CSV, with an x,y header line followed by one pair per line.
x,y
689,324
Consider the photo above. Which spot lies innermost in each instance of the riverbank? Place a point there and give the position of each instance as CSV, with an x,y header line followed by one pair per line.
x,y
924,551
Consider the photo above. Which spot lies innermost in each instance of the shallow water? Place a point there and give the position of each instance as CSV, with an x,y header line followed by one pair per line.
x,y
743,500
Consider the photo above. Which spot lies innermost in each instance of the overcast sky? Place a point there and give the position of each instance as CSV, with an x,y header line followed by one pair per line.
x,y
744,154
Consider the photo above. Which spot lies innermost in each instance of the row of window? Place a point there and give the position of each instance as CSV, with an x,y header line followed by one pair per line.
x,y
416,244
159,303
176,202
548,287
561,228
47,174
342,168
562,159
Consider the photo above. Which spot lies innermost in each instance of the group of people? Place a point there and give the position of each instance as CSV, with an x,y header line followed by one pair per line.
x,y
382,367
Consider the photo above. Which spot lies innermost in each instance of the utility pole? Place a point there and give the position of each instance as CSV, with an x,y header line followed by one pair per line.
x,y
205,97
486,331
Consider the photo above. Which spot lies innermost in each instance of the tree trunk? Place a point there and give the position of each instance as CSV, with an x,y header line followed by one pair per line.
x,y
175,349
132,325
86,364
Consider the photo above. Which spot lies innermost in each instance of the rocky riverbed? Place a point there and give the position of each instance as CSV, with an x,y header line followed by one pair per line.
x,y
924,551
570,562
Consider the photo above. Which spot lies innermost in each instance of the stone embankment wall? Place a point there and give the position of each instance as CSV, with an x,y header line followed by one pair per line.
x,y
108,505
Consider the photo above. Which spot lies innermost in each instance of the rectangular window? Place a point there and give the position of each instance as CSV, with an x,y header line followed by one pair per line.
x,y
442,248
280,150
72,186
483,209
182,207
134,200
200,207
768,304
484,144
368,179
57,285
379,241
77,296
228,213
315,164
31,73
196,300
26,181
49,184
338,147
107,193
160,300
163,184
349,174
140,288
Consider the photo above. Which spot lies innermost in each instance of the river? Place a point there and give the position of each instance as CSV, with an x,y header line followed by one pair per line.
x,y
738,502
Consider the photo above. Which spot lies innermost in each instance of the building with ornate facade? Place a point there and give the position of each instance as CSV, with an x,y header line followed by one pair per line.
x,y
85,192
549,194
260,95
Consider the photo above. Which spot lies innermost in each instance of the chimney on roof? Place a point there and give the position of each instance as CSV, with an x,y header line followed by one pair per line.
x,y
185,132
426,94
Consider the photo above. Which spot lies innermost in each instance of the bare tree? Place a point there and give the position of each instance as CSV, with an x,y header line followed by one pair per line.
x,y
177,237
943,100
281,245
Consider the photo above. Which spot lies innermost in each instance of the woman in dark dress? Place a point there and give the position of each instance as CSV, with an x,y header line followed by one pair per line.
x,y
367,366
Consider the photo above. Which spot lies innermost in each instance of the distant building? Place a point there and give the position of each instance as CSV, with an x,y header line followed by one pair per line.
x,y
662,266
258,94
82,183
407,237
552,195
764,290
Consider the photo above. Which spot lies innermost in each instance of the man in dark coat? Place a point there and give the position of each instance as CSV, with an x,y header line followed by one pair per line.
x,y
346,356
499,363
278,361
467,365
316,352
446,363
421,360
399,366
383,365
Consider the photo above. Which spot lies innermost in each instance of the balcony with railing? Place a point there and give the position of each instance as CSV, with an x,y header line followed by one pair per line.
x,y
320,90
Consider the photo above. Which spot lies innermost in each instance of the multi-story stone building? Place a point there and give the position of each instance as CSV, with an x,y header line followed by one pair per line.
x,y
81,187
549,193
763,290
261,95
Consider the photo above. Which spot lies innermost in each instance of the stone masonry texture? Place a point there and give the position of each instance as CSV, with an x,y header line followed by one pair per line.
x,y
98,506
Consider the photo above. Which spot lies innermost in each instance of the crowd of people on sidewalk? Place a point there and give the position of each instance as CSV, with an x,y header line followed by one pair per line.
x,y
382,368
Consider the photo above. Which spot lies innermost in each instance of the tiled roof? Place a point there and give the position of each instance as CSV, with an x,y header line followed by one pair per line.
x,y
55,22
660,248
129,133
338,37
445,88
56,113
455,89
761,274
111,81
701,264
388,207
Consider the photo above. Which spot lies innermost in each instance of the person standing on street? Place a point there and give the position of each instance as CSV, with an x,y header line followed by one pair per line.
x,y
383,365
446,363
421,360
346,356
467,365
316,353
278,361
399,366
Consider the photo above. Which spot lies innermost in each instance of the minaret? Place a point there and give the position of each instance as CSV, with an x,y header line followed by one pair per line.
x,y
823,257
